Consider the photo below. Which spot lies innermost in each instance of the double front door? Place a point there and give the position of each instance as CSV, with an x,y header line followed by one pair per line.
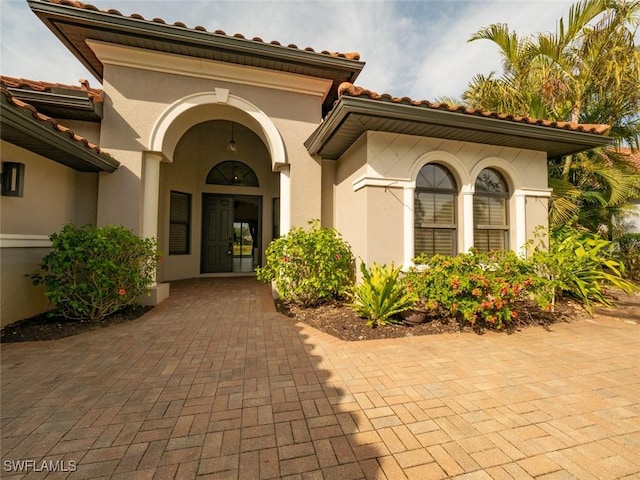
x,y
230,233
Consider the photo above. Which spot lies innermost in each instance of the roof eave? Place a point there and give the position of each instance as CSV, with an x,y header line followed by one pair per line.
x,y
162,31
72,153
59,101
347,105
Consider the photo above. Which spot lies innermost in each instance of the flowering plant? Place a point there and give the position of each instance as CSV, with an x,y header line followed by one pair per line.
x,y
93,272
476,288
309,266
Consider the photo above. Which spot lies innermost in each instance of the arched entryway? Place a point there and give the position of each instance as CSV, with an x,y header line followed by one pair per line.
x,y
223,185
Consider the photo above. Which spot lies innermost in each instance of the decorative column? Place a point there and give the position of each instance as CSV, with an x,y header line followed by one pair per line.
x,y
285,200
467,218
150,193
150,201
409,226
520,223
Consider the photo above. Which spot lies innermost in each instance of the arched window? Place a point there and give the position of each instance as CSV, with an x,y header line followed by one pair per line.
x,y
490,217
435,211
231,172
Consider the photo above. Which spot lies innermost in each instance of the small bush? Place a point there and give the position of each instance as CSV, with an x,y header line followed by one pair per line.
x,y
92,273
629,253
580,265
477,288
309,266
381,295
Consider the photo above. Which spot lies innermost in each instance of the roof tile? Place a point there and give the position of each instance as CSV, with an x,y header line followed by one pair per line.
x,y
351,90
137,16
95,94
632,156
53,123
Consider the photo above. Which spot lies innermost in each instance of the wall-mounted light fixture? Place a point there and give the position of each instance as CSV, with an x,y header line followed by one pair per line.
x,y
12,179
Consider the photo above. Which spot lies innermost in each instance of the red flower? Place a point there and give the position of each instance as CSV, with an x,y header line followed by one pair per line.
x,y
160,259
514,314
122,291
285,259
337,256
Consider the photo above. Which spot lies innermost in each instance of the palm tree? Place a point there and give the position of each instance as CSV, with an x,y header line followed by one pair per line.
x,y
588,71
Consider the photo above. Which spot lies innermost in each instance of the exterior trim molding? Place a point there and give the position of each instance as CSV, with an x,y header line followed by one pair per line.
x,y
533,192
171,63
164,140
10,240
366,181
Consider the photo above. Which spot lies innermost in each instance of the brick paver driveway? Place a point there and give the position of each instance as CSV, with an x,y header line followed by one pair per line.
x,y
214,383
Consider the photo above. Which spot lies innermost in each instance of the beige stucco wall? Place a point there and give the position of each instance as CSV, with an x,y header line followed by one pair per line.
x,y
328,193
372,176
351,210
537,220
199,150
384,225
54,195
19,298
135,99
88,130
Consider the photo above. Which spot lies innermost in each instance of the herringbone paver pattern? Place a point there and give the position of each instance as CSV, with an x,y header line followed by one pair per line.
x,y
214,383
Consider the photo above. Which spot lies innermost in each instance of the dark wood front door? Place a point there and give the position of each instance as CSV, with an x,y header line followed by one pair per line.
x,y
217,233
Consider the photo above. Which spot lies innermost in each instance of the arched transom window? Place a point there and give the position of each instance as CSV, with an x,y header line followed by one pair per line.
x,y
435,211
490,216
231,172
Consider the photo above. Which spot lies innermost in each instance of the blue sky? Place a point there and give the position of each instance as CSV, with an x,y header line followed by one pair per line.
x,y
411,48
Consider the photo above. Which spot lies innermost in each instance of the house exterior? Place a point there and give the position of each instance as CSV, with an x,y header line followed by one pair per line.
x,y
215,144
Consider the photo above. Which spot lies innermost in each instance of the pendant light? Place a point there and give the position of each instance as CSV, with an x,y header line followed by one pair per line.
x,y
231,146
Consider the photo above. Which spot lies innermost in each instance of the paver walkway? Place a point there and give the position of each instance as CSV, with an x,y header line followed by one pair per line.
x,y
214,383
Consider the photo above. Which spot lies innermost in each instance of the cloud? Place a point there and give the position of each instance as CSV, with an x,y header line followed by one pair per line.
x,y
412,48
452,62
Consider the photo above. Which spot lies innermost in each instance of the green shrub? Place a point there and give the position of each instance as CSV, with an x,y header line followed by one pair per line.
x,y
580,264
381,295
477,288
91,273
309,266
629,253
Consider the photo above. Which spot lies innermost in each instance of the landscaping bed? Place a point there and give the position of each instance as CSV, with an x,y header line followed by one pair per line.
x,y
339,320
45,327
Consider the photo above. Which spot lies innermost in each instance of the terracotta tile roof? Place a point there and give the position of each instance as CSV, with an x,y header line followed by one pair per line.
x,y
136,16
95,94
633,157
351,90
53,123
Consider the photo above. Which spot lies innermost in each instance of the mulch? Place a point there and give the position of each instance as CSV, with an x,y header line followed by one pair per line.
x,y
52,327
339,320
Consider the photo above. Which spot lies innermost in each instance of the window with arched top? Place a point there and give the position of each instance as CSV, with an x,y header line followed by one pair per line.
x,y
435,211
490,214
232,172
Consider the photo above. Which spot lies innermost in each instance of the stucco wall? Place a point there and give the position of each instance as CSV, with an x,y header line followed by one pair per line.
x,y
134,101
49,199
88,130
374,175
20,299
384,225
537,219
54,195
328,193
351,210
